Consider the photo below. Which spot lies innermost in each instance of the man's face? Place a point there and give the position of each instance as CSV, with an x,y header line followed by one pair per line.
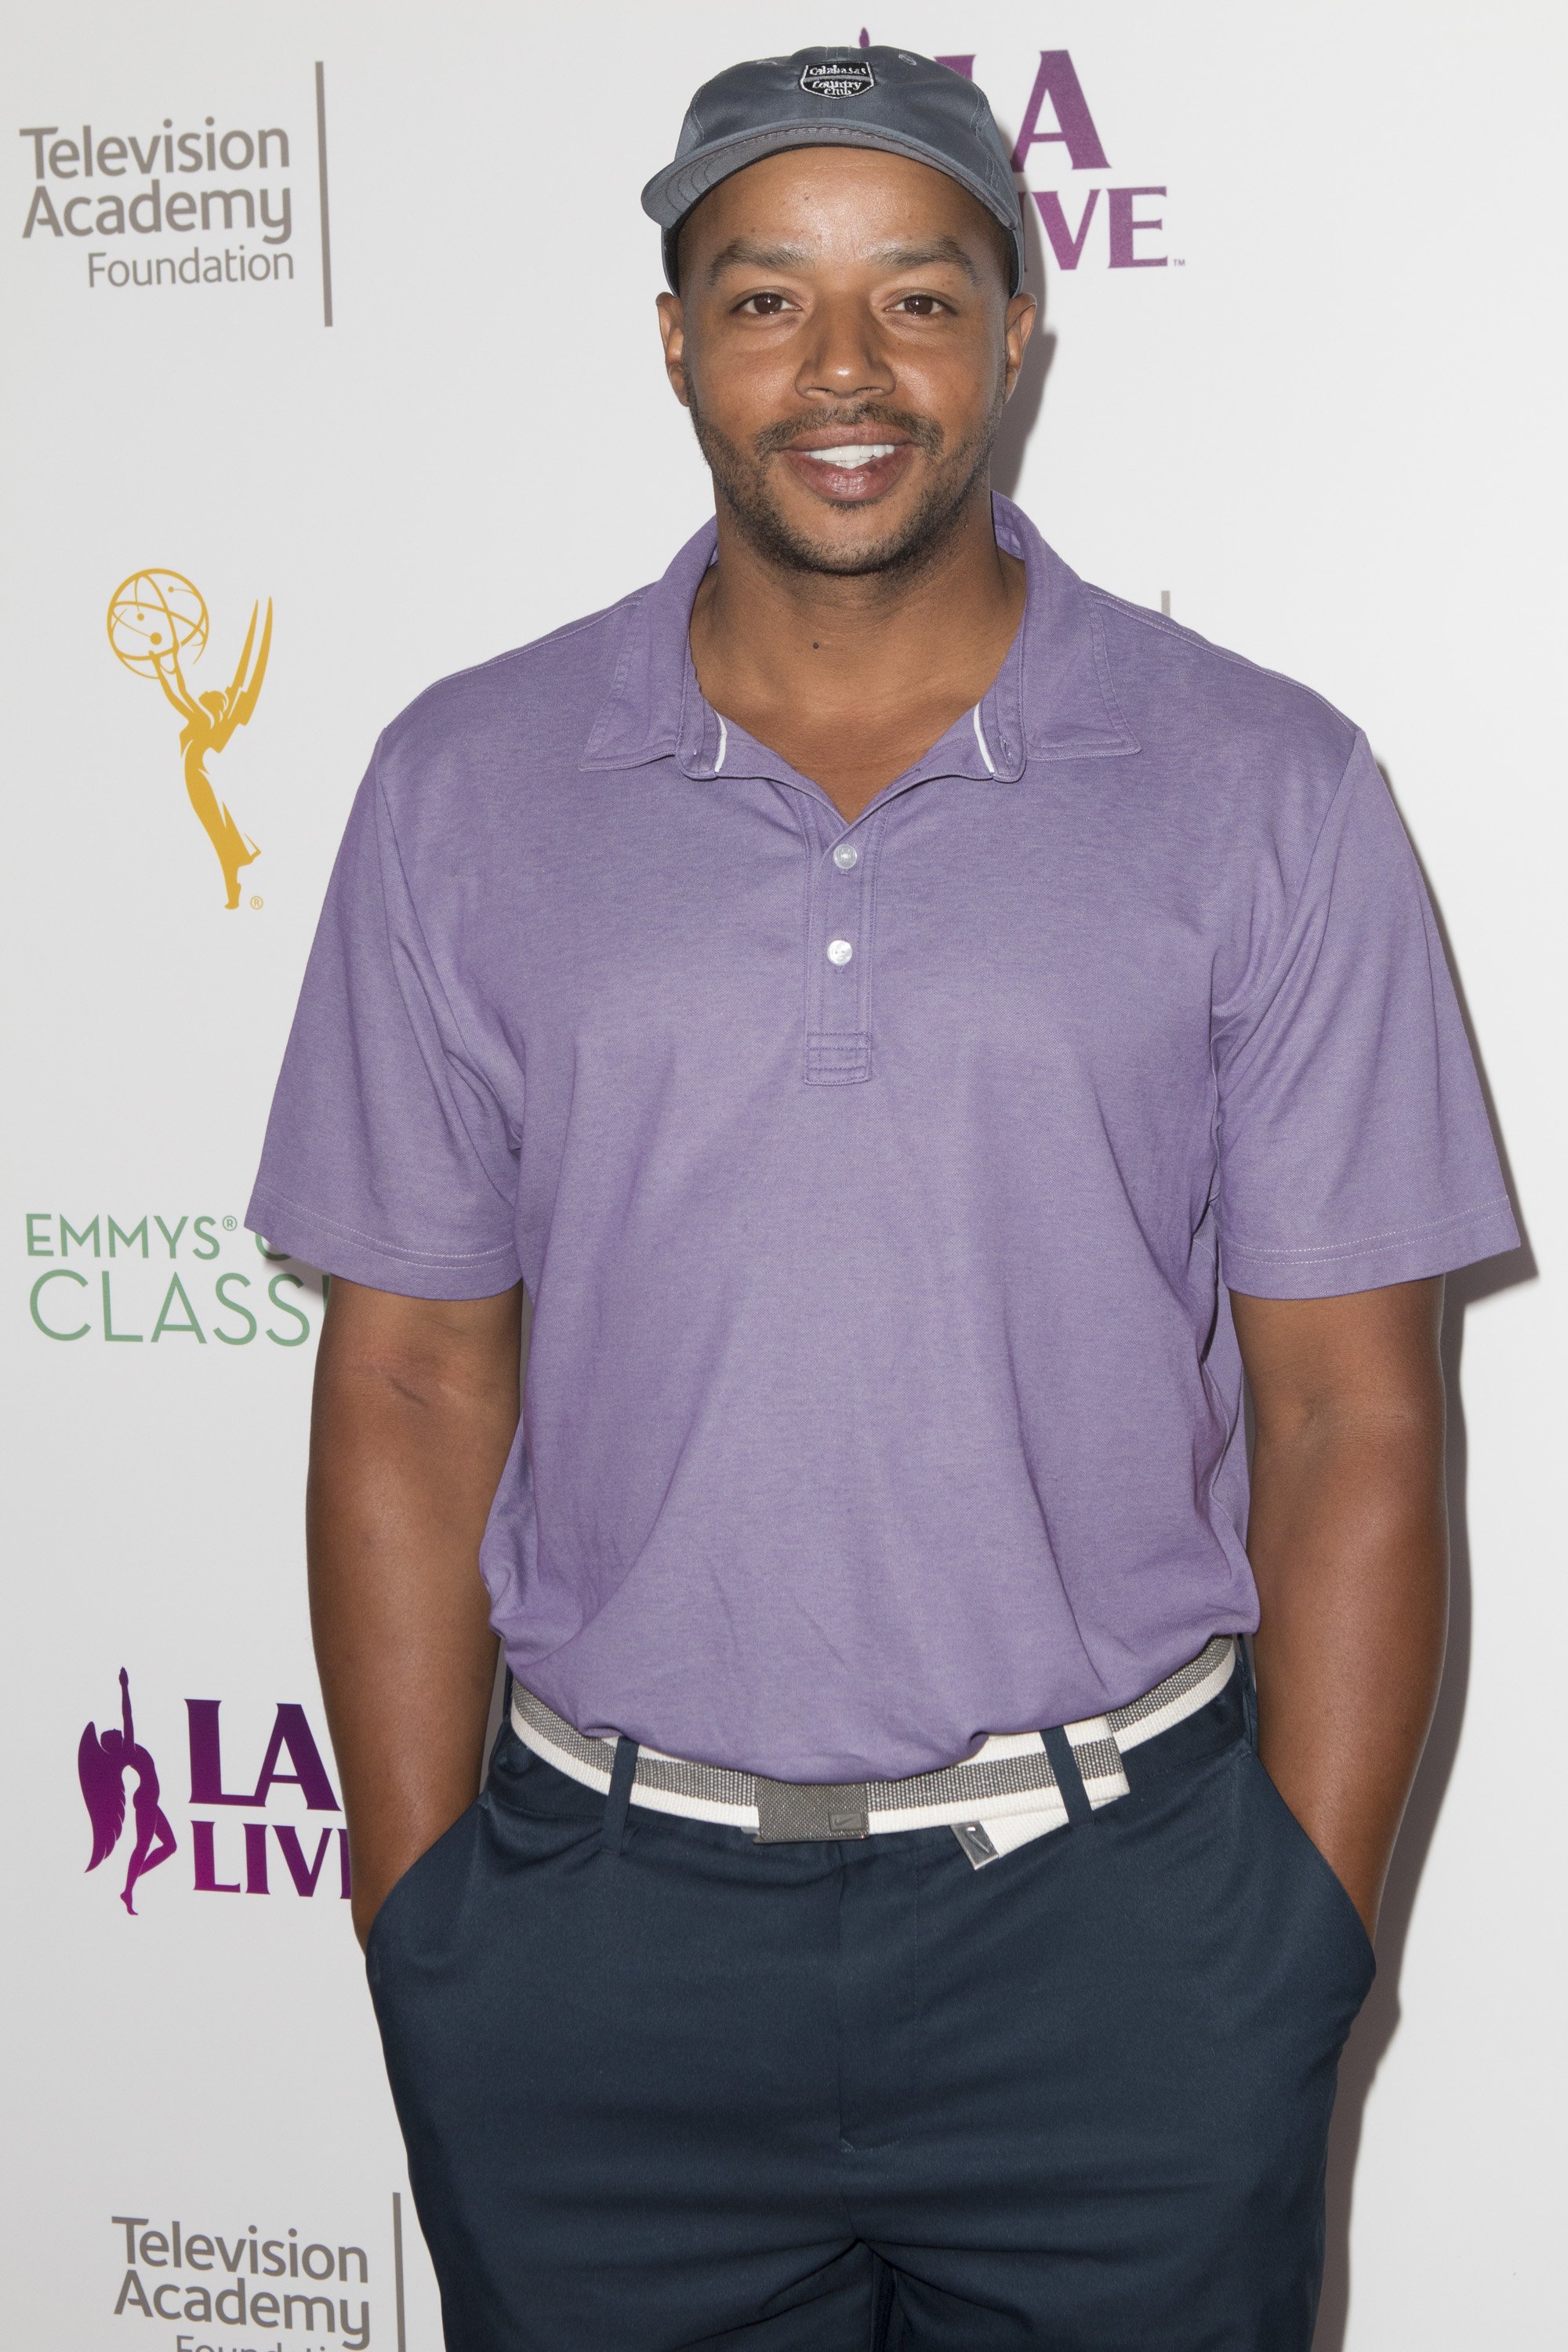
x,y
844,340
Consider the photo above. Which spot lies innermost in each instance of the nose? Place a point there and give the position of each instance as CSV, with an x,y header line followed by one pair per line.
x,y
843,358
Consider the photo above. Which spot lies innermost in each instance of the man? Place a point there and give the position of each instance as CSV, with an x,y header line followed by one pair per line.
x,y
914,1027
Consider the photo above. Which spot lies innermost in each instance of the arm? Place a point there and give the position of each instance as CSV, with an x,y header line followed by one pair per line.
x,y
181,701
1348,1539
415,1408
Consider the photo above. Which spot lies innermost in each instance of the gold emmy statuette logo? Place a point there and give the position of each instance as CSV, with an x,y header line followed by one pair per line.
x,y
154,618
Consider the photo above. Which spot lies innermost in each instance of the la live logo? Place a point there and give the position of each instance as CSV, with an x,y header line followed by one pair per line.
x,y
253,1855
291,1739
1119,226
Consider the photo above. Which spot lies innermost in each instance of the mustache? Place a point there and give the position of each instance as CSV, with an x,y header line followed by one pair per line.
x,y
921,430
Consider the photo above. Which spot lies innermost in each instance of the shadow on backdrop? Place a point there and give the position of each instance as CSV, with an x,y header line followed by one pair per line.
x,y
1379,2021
1022,412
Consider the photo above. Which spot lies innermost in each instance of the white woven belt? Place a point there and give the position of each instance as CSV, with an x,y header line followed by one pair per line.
x,y
1000,1797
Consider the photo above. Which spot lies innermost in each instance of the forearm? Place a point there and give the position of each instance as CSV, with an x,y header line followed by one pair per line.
x,y
409,1436
1348,1541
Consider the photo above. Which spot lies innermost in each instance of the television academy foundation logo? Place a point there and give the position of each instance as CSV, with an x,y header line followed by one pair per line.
x,y
158,626
287,2281
121,198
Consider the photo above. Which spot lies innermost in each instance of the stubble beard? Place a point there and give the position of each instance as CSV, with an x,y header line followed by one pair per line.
x,y
739,480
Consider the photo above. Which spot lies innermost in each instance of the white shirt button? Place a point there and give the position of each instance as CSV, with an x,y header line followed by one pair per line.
x,y
846,856
839,951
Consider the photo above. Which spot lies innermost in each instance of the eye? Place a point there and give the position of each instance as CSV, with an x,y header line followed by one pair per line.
x,y
763,306
920,306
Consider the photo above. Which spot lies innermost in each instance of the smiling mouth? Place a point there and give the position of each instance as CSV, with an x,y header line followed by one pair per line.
x,y
850,455
851,473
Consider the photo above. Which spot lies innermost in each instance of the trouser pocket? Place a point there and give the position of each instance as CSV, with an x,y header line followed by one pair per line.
x,y
1284,1834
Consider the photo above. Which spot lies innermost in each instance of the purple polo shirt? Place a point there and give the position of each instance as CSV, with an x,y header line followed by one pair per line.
x,y
877,1186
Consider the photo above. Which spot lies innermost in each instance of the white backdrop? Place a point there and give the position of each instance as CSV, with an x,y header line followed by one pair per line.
x,y
1318,423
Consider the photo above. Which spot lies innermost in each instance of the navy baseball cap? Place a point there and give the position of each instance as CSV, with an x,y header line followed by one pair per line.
x,y
889,99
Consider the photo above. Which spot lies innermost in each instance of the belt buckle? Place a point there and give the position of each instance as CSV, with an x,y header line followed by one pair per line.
x,y
796,1812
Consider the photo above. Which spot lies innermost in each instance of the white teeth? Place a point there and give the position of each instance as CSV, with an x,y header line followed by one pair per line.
x,y
854,452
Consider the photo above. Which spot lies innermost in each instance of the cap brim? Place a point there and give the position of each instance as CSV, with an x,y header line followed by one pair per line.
x,y
671,194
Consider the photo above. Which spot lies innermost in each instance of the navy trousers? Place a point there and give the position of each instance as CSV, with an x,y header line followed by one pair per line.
x,y
664,2088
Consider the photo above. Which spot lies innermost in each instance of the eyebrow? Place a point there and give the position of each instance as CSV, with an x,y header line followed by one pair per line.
x,y
746,252
920,256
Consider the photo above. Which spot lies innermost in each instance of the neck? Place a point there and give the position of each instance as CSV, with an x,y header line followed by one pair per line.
x,y
760,629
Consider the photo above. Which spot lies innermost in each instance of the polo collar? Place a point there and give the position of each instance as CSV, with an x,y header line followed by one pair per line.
x,y
1053,698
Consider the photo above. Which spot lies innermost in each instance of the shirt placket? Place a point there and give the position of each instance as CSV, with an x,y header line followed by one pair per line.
x,y
839,947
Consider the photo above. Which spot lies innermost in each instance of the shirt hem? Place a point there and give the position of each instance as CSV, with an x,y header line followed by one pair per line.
x,y
1336,1269
319,1240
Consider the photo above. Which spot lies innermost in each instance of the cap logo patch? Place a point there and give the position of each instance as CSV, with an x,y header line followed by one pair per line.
x,y
838,77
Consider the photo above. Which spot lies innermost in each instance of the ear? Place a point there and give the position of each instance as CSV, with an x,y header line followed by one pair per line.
x,y
1021,314
672,331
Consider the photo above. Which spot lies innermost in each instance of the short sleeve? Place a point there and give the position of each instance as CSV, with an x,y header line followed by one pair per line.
x,y
1354,1147
387,1159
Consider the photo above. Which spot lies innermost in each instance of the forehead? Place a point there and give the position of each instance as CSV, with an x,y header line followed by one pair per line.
x,y
836,204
